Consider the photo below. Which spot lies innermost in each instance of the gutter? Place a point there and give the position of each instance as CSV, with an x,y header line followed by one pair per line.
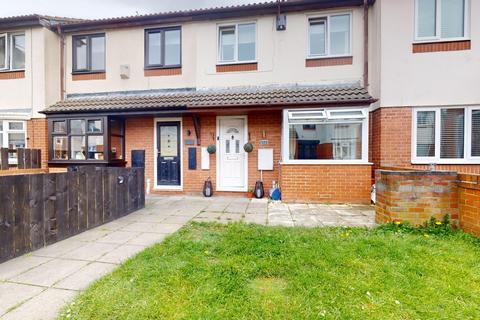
x,y
62,62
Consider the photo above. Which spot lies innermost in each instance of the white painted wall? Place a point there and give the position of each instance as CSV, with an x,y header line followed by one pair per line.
x,y
40,87
423,79
281,57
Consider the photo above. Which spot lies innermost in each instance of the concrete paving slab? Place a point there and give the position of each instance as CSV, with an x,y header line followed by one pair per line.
x,y
147,239
118,237
44,306
49,273
81,279
59,248
13,294
20,265
90,252
121,253
177,219
91,235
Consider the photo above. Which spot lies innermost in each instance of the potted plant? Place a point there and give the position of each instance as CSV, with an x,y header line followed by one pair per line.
x,y
211,149
248,147
250,192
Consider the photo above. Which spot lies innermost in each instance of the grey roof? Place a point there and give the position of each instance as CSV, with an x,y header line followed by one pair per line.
x,y
32,20
211,98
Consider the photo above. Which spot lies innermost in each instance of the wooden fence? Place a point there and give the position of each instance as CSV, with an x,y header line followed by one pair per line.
x,y
26,158
40,209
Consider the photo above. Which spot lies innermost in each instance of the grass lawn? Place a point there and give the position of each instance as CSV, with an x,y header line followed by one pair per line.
x,y
239,271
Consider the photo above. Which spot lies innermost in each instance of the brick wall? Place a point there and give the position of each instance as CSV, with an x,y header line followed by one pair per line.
x,y
261,126
391,142
469,203
326,183
37,137
415,196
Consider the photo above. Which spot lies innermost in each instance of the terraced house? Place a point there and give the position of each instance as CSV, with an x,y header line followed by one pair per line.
x,y
313,95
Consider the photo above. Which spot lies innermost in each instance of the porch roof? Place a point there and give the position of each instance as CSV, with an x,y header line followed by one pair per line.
x,y
194,99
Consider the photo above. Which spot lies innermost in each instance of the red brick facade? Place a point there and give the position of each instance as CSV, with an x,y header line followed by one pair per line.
x,y
37,137
326,183
391,142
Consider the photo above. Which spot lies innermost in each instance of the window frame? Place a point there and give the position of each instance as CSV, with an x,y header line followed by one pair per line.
x,y
88,68
9,51
6,130
162,48
105,134
438,24
286,134
467,159
235,53
327,18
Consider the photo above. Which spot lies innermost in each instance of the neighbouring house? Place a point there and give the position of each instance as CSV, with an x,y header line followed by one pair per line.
x,y
325,92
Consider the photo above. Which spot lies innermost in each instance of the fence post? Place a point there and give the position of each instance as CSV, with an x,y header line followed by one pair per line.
x,y
3,159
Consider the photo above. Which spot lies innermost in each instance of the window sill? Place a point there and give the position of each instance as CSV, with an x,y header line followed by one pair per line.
x,y
328,61
441,46
447,162
237,67
326,162
162,71
12,74
76,76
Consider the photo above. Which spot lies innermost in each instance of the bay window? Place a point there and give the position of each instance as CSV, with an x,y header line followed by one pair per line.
x,y
446,135
163,48
86,139
441,19
325,135
237,43
12,136
12,51
330,35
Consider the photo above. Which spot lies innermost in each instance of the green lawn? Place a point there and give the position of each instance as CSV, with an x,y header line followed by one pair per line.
x,y
240,271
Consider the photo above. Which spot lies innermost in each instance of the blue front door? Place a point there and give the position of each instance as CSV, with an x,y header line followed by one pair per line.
x,y
168,157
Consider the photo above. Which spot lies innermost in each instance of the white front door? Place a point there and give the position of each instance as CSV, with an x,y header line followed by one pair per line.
x,y
232,159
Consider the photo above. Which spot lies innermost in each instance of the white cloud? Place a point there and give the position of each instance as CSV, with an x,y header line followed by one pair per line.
x,y
107,8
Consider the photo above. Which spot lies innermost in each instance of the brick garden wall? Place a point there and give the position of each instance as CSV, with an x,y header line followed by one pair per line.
x,y
391,141
469,203
326,183
415,196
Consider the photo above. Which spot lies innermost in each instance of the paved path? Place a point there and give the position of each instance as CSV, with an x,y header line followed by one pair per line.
x,y
37,285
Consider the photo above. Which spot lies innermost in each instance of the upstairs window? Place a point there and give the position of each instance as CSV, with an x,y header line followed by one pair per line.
x,y
163,48
89,53
330,35
441,19
12,51
446,135
237,43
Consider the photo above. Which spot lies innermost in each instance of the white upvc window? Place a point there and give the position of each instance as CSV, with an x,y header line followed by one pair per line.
x,y
12,51
325,136
449,135
13,135
440,20
330,35
237,43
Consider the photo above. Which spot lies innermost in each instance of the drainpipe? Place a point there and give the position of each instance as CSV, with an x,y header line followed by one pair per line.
x,y
62,62
365,44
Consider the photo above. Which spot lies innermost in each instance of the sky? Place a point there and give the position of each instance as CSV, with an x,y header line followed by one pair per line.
x,y
105,8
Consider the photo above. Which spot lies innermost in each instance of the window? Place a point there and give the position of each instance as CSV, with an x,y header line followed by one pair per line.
x,y
237,43
446,135
89,53
86,139
326,136
12,136
330,35
163,48
441,19
12,51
